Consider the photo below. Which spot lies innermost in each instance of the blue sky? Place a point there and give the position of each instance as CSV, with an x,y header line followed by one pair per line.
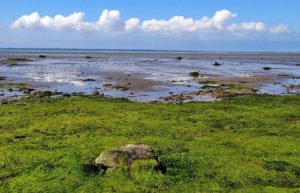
x,y
217,25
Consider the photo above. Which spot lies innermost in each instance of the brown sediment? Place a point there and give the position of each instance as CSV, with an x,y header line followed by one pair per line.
x,y
14,60
293,87
134,82
218,92
240,80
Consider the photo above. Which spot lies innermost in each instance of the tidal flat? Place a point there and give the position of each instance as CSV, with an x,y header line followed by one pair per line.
x,y
145,76
204,122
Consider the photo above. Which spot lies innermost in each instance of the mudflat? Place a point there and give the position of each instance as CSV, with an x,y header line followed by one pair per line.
x,y
147,76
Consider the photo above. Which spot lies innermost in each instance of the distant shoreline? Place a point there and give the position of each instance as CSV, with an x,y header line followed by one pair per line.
x,y
138,51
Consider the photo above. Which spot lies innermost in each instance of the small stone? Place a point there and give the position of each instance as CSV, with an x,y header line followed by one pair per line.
x,y
106,84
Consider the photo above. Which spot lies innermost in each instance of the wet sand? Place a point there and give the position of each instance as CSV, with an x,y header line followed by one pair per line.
x,y
148,76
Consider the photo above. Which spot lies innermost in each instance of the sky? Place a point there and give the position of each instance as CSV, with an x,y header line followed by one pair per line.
x,y
199,25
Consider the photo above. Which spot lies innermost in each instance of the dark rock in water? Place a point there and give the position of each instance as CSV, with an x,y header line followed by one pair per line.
x,y
179,58
194,74
267,68
2,77
13,64
66,95
96,93
89,80
217,64
42,56
26,90
125,155
88,57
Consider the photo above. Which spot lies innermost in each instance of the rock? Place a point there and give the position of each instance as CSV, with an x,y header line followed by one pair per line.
x,y
125,155
267,68
179,58
2,77
42,56
96,93
106,84
88,57
66,95
194,74
217,64
89,80
26,90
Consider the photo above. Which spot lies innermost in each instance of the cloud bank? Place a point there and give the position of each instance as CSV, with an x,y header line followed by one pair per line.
x,y
111,21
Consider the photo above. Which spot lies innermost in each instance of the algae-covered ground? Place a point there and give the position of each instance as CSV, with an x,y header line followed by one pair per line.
x,y
244,144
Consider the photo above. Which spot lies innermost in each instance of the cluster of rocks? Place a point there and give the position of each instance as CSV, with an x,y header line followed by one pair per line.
x,y
293,87
177,98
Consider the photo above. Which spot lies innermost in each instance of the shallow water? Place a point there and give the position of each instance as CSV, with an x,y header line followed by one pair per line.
x,y
157,74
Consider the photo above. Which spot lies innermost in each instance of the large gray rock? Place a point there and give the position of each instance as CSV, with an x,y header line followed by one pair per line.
x,y
125,155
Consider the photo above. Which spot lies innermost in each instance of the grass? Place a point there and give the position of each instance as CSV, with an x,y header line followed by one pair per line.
x,y
246,144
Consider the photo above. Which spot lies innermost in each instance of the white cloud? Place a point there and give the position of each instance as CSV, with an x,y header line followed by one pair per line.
x,y
132,24
280,29
179,24
108,21
247,27
58,22
111,21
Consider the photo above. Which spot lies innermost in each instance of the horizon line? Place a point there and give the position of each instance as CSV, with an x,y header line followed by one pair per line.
x,y
137,50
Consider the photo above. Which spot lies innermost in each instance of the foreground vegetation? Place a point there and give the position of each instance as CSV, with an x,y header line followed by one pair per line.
x,y
247,144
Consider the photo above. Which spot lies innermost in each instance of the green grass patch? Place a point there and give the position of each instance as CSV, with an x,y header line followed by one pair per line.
x,y
245,144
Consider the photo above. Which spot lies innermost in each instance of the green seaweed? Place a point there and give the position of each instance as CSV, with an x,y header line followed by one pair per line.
x,y
242,144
